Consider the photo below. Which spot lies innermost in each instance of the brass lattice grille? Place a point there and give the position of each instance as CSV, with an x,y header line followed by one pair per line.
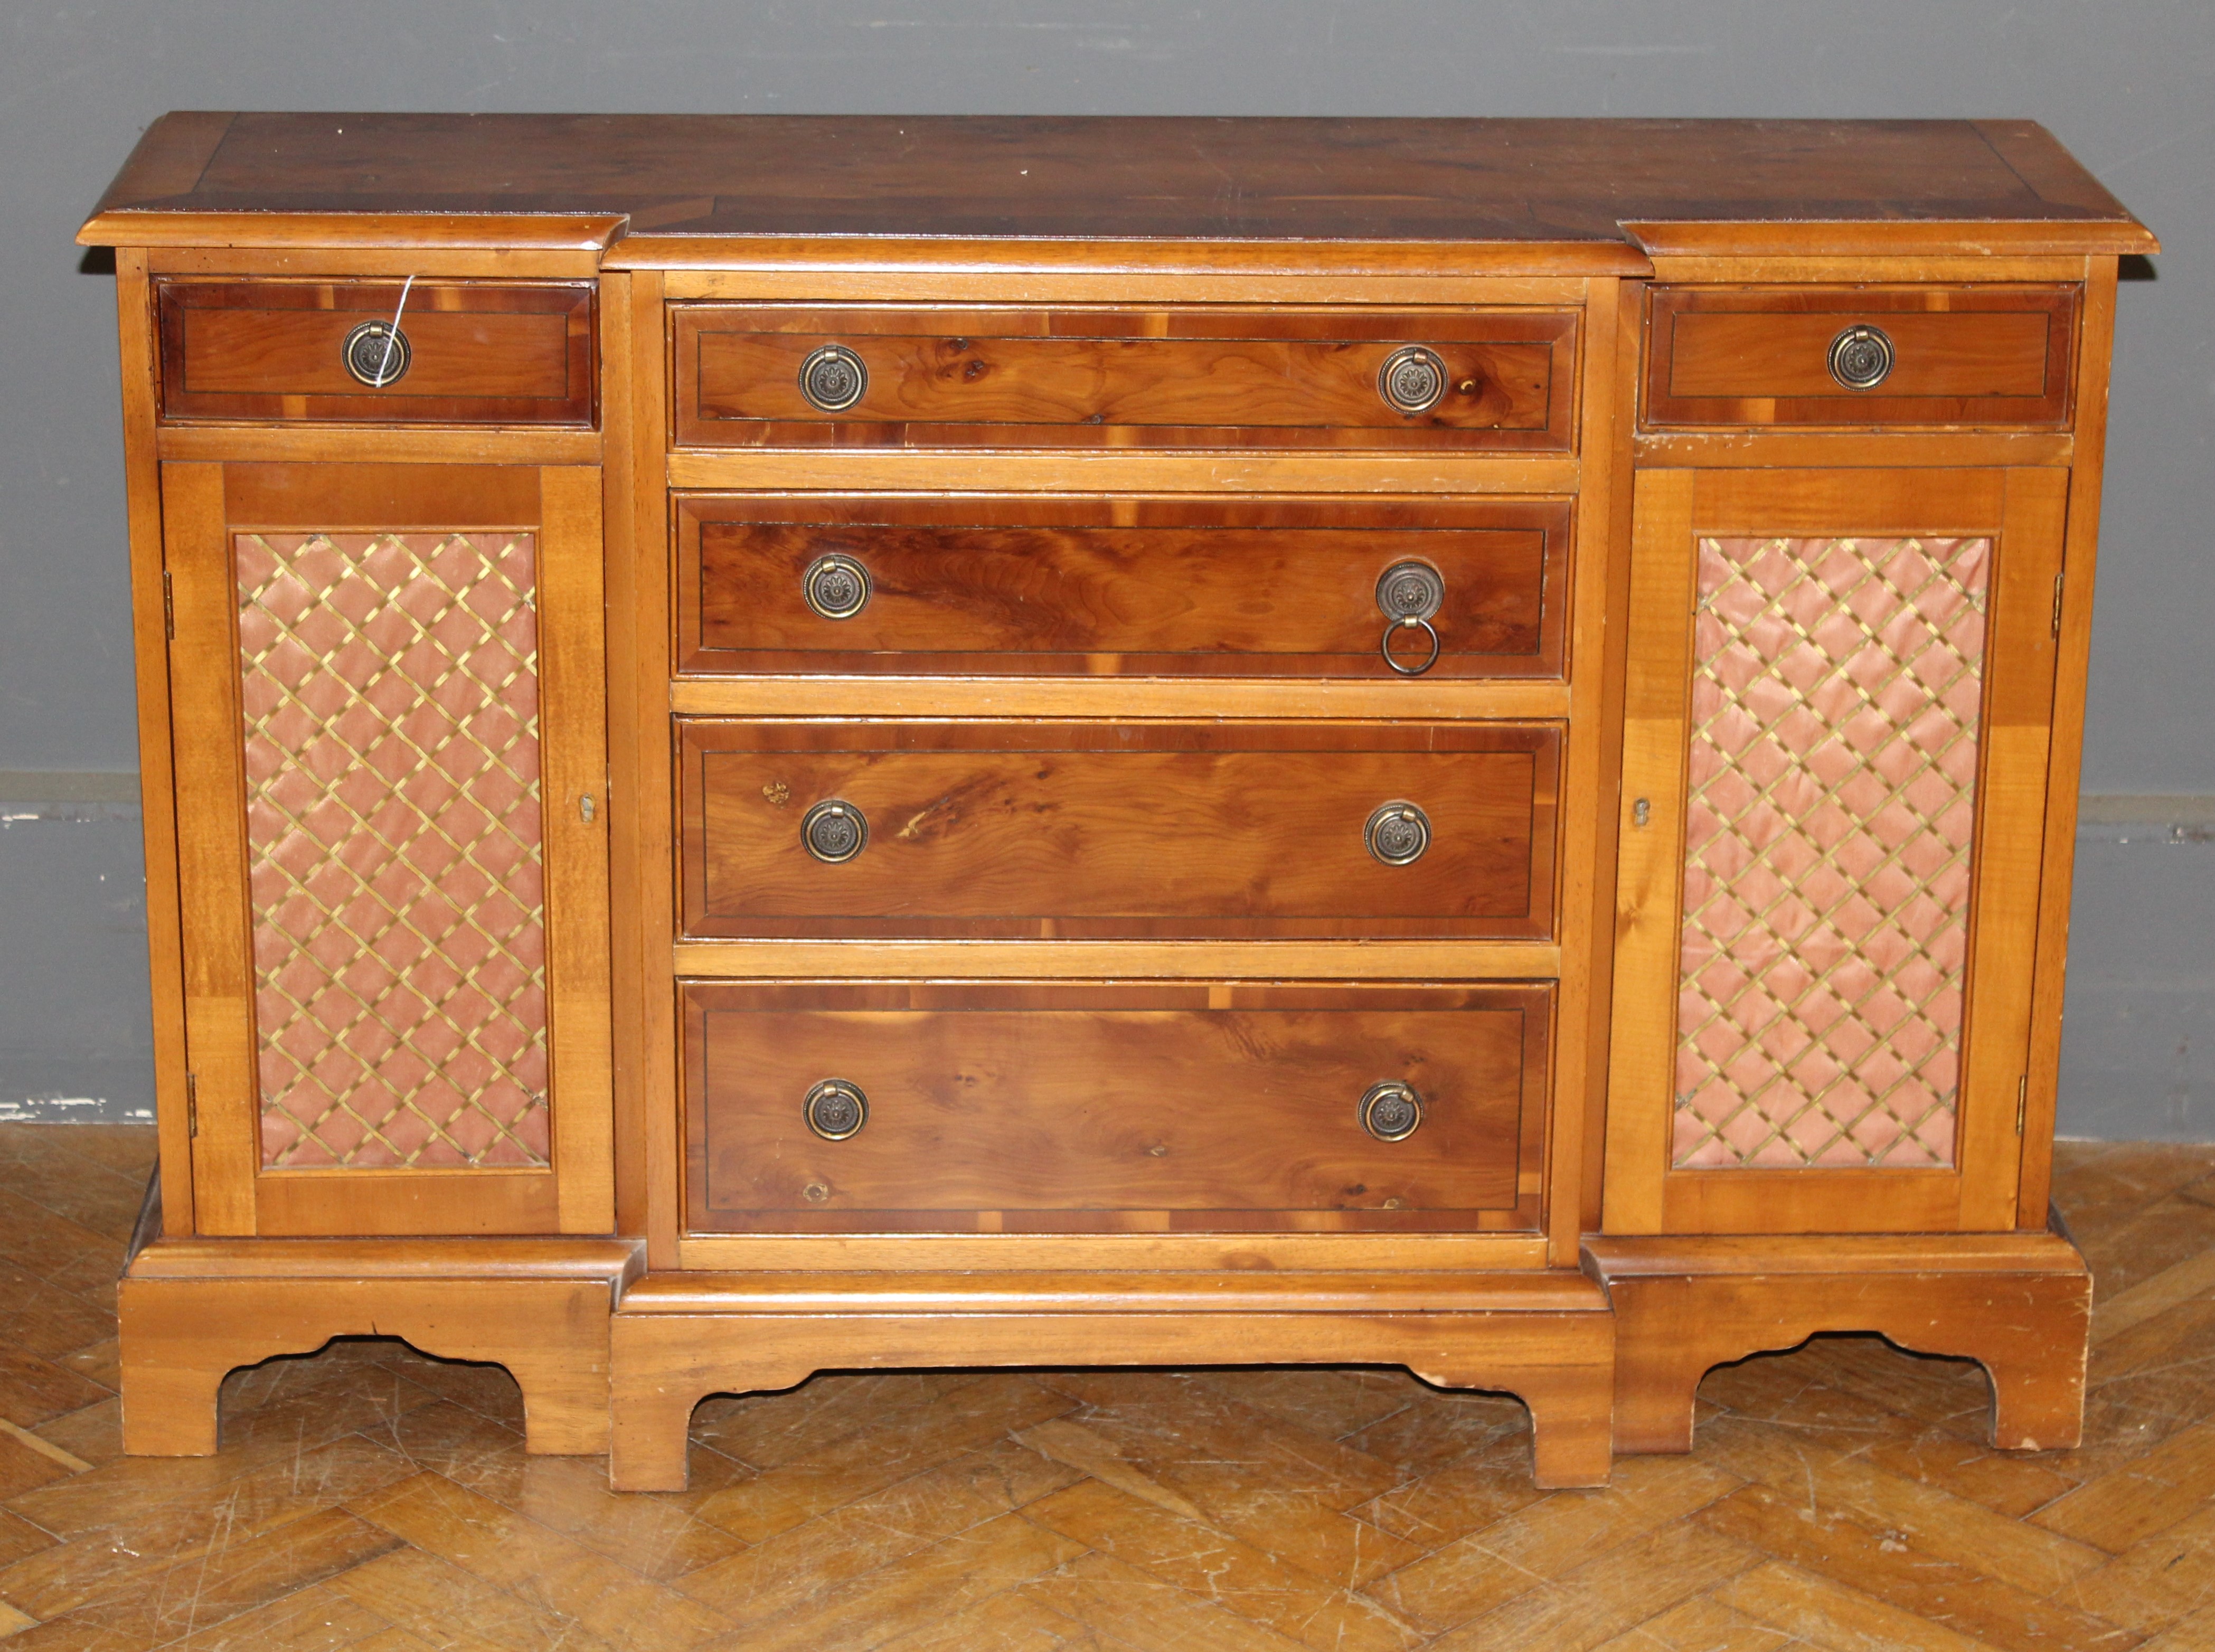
x,y
390,698
1832,780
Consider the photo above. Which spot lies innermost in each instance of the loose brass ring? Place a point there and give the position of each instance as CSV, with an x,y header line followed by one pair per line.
x,y
1412,622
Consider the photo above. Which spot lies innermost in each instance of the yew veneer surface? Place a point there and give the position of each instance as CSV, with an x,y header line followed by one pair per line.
x,y
1019,829
480,352
1527,181
1092,377
1991,356
1056,1106
1069,584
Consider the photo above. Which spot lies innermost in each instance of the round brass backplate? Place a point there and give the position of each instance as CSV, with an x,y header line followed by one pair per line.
x,y
1861,358
1391,1111
835,1108
834,830
837,587
378,353
833,378
1397,833
1412,379
1411,590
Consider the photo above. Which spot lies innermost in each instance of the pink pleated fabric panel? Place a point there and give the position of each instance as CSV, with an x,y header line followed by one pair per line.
x,y
1836,696
391,710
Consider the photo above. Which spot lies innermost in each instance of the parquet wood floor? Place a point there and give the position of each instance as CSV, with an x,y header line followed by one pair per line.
x,y
1840,1497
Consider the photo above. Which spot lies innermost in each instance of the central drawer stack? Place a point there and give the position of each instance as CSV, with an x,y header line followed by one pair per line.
x,y
1160,728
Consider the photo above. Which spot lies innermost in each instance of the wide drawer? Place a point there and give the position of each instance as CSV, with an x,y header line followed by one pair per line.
x,y
1075,1106
753,376
1936,355
1100,829
468,351
1090,586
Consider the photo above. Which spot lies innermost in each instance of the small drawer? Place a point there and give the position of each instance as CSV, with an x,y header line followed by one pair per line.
x,y
1087,586
773,377
1104,830
1087,1107
468,353
1973,356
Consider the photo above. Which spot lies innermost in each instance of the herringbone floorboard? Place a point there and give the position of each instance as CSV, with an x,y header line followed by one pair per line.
x,y
1840,1497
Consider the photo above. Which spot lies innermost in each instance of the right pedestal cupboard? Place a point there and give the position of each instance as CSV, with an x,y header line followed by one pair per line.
x,y
779,745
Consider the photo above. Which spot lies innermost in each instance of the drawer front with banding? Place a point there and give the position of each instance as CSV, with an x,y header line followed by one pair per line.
x,y
1099,829
1144,587
761,376
1861,356
1087,1106
455,352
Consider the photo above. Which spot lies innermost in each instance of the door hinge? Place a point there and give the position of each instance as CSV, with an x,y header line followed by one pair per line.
x,y
168,607
2021,1101
2057,579
192,1104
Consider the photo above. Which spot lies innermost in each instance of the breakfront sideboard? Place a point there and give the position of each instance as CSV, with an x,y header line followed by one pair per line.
x,y
784,744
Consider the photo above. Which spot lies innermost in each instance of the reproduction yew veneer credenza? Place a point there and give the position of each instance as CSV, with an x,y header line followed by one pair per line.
x,y
784,744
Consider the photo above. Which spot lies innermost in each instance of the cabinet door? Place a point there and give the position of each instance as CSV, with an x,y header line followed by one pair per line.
x,y
390,759
1838,712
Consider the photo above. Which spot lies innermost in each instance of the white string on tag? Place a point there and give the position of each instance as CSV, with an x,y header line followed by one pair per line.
x,y
393,333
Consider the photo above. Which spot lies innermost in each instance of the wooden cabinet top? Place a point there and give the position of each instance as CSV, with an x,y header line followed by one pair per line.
x,y
1599,193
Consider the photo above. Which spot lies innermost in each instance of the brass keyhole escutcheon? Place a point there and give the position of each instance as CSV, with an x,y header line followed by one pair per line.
x,y
1391,1111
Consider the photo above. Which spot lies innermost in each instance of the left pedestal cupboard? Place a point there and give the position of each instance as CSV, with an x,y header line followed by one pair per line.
x,y
774,745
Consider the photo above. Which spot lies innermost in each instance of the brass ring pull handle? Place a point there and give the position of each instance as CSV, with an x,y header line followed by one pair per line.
x,y
1397,833
834,830
1391,1111
378,353
837,587
1408,594
1429,659
1861,358
835,1109
833,378
1412,379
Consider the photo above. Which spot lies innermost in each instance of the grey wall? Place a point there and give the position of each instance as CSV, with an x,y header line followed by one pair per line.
x,y
2128,85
